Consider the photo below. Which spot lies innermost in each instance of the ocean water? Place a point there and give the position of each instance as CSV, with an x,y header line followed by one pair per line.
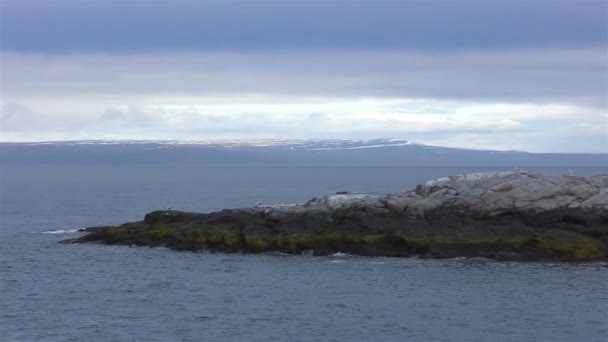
x,y
56,292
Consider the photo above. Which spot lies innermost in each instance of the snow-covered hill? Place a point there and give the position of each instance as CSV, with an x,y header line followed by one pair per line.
x,y
282,152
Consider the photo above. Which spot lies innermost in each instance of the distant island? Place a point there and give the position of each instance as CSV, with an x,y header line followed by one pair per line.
x,y
317,152
513,215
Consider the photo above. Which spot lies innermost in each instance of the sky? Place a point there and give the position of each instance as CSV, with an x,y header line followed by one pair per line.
x,y
506,75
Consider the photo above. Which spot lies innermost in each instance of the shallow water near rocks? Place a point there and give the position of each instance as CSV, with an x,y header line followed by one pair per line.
x,y
54,292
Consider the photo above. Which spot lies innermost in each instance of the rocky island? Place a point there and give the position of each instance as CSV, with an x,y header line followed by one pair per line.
x,y
507,216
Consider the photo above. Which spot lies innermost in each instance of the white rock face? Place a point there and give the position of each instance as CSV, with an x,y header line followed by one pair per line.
x,y
348,202
487,193
494,193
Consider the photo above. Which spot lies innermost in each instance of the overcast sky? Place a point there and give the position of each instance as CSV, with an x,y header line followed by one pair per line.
x,y
523,75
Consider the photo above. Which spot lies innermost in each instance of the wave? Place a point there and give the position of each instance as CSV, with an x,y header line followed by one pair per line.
x,y
61,231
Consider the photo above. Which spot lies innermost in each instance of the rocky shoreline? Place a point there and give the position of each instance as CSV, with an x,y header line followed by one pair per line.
x,y
507,216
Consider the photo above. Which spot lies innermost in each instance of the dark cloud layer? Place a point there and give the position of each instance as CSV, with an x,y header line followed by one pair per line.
x,y
60,26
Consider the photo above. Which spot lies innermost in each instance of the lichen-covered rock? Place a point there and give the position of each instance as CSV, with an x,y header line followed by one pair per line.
x,y
505,215
496,193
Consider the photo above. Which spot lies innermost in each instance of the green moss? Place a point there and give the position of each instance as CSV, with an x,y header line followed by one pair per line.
x,y
295,243
286,243
232,237
292,244
162,216
135,225
561,245
160,233
303,241
261,243
193,235
469,219
281,242
166,213
212,238
234,241
374,238
438,240
578,248
331,236
449,246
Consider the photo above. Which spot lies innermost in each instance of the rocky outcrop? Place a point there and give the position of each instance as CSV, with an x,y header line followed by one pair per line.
x,y
497,193
506,215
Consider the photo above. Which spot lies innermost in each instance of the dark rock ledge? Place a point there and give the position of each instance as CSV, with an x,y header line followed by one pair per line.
x,y
506,216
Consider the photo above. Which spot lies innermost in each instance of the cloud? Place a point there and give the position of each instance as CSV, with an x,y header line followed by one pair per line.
x,y
20,122
458,123
562,139
573,76
16,117
483,74
190,25
127,117
537,100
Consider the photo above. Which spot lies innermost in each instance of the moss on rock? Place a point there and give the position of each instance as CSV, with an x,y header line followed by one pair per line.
x,y
194,232
234,241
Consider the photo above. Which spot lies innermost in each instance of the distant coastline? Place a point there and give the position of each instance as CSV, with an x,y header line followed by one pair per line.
x,y
372,152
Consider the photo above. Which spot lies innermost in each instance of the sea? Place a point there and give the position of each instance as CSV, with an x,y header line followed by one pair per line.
x,y
91,292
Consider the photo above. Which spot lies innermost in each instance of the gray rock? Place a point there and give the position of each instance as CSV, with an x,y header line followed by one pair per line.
x,y
489,194
496,193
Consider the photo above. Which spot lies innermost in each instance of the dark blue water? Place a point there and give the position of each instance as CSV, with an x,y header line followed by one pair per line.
x,y
54,292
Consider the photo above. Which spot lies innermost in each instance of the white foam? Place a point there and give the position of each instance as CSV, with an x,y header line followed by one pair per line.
x,y
61,231
339,255
458,258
